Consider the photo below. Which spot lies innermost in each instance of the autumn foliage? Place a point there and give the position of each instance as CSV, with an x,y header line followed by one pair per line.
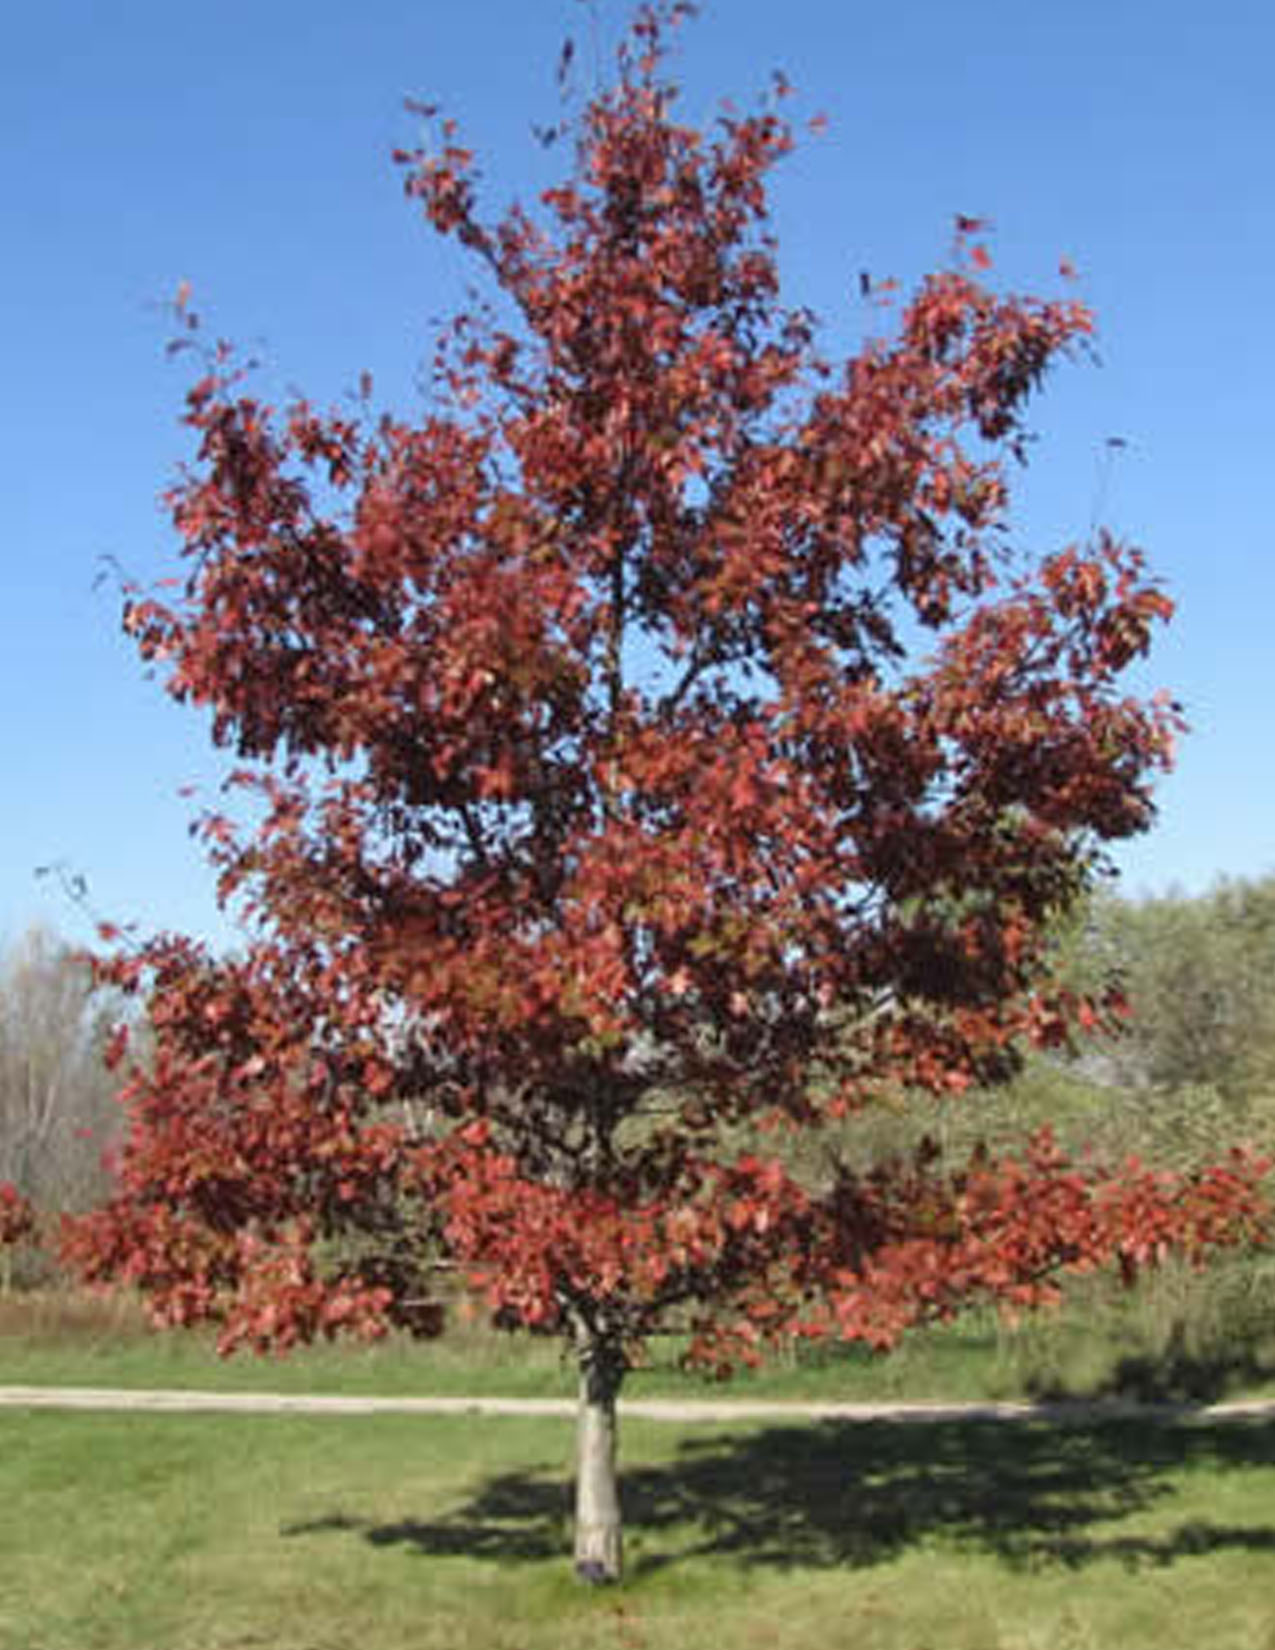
x,y
17,1217
19,1225
654,751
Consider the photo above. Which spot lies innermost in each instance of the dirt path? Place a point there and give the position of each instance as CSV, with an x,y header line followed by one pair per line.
x,y
680,1410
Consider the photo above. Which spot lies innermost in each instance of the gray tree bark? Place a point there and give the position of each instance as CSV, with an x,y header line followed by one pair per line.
x,y
598,1530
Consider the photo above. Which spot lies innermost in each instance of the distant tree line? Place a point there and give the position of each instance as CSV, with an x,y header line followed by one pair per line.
x,y
58,1115
1189,1071
1199,973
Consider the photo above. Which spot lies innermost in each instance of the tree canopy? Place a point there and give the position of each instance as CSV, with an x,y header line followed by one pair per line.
x,y
659,743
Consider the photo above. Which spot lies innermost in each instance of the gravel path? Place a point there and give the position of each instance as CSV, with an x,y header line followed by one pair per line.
x,y
680,1410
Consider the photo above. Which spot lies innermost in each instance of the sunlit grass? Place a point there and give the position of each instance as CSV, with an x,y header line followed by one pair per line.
x,y
127,1532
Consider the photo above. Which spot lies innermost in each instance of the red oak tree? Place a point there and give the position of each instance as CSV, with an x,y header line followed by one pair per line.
x,y
659,748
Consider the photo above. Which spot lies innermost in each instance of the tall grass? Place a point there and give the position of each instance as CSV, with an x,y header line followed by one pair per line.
x,y
1181,1334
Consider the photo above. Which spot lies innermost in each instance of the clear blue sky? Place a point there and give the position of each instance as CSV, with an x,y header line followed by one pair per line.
x,y
244,147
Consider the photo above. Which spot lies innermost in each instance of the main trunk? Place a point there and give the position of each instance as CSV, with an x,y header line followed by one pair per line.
x,y
598,1556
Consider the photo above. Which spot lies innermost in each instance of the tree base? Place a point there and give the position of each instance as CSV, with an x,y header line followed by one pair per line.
x,y
598,1560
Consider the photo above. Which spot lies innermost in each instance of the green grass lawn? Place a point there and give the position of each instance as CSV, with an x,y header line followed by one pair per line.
x,y
147,1532
172,1532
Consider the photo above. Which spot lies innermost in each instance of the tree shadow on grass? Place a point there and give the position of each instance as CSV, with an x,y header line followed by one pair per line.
x,y
855,1495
